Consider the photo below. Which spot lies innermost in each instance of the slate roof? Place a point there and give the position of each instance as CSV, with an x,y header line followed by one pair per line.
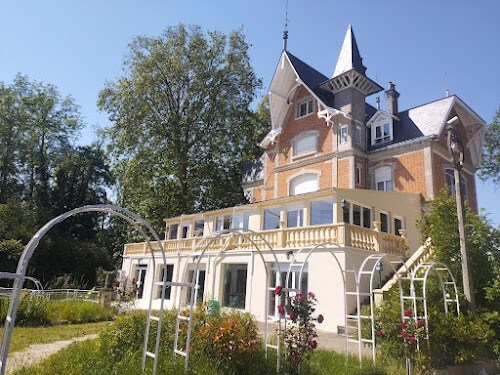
x,y
349,57
419,122
312,78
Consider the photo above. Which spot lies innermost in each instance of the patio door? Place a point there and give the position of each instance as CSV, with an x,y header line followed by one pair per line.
x,y
293,283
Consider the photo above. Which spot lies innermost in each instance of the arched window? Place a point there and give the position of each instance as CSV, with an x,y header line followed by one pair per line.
x,y
449,177
305,183
383,178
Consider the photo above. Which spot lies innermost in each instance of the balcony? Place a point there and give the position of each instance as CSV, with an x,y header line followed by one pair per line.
x,y
290,238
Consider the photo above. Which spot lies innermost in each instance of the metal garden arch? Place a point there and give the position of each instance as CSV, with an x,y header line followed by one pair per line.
x,y
448,288
20,275
254,238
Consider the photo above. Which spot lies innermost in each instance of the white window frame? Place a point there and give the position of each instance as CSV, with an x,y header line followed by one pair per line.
x,y
300,209
326,199
293,180
361,215
301,138
380,122
308,102
383,171
223,218
357,136
242,218
343,134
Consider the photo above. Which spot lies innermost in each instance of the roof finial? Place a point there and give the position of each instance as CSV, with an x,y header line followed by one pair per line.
x,y
285,31
378,102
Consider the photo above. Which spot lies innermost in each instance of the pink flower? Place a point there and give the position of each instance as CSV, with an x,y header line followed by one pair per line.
x,y
278,290
311,294
292,315
420,323
320,318
413,340
313,344
404,334
403,325
299,297
281,309
380,333
408,312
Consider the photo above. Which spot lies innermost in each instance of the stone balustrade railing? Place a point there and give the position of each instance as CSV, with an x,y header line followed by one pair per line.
x,y
343,234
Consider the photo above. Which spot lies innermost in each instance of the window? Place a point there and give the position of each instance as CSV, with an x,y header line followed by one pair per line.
x,y
235,285
240,220
304,144
198,228
358,175
223,222
249,195
173,229
360,215
398,224
343,134
201,285
304,108
449,174
305,183
383,178
295,215
321,212
170,274
140,277
357,136
382,133
272,218
293,283
185,231
384,222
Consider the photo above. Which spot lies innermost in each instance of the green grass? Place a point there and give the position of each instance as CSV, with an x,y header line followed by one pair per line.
x,y
23,337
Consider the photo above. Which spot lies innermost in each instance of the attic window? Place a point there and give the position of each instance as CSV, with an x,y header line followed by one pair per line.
x,y
304,108
382,133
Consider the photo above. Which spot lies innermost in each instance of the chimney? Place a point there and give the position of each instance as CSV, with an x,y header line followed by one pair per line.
x,y
392,99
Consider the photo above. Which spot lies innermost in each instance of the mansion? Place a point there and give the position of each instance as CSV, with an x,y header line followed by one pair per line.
x,y
334,170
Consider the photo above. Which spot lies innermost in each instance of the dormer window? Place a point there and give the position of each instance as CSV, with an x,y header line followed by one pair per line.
x,y
381,128
304,108
304,144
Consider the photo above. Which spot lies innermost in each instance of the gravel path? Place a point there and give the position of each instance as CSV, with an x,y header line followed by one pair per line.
x,y
38,352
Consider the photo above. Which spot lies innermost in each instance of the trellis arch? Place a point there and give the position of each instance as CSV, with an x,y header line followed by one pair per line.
x,y
448,288
367,271
249,236
20,275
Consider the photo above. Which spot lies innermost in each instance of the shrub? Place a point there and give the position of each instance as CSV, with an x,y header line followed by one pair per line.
x,y
230,341
32,310
79,311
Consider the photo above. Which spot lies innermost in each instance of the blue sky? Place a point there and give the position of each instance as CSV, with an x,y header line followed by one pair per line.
x,y
424,46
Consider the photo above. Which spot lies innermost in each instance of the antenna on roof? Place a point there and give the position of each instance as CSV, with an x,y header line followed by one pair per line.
x,y
447,92
285,31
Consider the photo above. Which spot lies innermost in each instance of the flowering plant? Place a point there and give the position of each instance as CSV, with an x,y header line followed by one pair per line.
x,y
300,339
125,293
412,330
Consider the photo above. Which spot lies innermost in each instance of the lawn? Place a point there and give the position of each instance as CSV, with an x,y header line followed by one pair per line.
x,y
25,336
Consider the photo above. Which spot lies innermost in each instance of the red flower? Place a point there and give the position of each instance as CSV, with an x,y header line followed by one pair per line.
x,y
292,315
404,334
420,323
413,340
116,284
281,309
299,297
408,312
320,318
403,325
278,290
313,344
380,333
311,294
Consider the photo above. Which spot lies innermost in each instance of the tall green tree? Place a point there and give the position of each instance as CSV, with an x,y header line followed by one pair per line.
x,y
483,242
490,165
182,122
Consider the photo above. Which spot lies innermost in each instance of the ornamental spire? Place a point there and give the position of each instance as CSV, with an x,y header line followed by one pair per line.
x,y
349,57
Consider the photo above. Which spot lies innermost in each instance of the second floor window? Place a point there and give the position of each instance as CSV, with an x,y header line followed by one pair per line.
x,y
304,144
223,222
272,218
344,134
304,107
321,212
383,178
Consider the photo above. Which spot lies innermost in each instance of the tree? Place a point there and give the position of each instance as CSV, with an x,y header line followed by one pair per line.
x,y
181,121
490,165
483,241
